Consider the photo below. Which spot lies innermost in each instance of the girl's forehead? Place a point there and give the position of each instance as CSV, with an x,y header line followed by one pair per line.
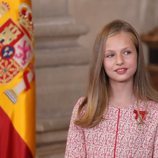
x,y
119,40
115,34
120,37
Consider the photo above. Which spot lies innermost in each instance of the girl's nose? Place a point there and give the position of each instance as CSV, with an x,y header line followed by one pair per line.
x,y
119,60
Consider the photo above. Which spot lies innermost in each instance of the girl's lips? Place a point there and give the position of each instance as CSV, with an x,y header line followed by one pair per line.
x,y
121,70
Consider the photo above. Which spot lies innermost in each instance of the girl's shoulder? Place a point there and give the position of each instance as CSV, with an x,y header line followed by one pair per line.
x,y
152,105
79,102
76,107
152,108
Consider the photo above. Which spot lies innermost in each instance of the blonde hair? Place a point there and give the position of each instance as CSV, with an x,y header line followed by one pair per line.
x,y
97,97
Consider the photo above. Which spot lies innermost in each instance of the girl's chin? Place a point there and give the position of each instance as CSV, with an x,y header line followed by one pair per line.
x,y
122,79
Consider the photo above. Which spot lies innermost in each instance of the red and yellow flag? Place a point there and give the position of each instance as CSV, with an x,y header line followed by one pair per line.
x,y
17,81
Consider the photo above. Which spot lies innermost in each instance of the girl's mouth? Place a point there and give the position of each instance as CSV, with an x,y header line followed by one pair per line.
x,y
121,71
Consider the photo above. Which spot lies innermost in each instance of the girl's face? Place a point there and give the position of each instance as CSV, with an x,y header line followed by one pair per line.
x,y
120,57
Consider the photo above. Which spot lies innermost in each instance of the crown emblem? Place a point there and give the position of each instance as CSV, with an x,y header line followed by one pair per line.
x,y
25,18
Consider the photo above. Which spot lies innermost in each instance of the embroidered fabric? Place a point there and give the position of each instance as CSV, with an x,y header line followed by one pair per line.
x,y
118,135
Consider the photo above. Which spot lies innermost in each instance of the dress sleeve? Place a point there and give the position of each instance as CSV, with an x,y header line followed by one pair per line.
x,y
155,154
75,146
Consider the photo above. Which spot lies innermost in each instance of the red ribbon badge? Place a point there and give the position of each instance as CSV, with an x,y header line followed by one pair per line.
x,y
142,113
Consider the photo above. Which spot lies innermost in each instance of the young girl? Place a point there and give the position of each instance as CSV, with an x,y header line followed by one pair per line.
x,y
118,117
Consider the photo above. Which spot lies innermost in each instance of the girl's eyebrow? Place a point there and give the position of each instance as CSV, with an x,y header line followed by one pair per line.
x,y
126,48
109,51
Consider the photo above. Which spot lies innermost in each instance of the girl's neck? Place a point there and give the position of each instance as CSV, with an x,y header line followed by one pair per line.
x,y
121,94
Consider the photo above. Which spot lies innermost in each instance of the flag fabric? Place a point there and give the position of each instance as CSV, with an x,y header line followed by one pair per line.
x,y
17,81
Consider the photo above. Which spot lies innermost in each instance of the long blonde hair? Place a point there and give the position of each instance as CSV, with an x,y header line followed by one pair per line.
x,y
97,97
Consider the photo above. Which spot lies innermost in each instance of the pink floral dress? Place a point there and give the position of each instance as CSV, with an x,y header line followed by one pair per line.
x,y
118,135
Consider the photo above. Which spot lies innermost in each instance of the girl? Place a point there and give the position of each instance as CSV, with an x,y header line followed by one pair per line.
x,y
118,117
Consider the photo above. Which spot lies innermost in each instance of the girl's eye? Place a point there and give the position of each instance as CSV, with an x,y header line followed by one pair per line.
x,y
109,55
127,52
